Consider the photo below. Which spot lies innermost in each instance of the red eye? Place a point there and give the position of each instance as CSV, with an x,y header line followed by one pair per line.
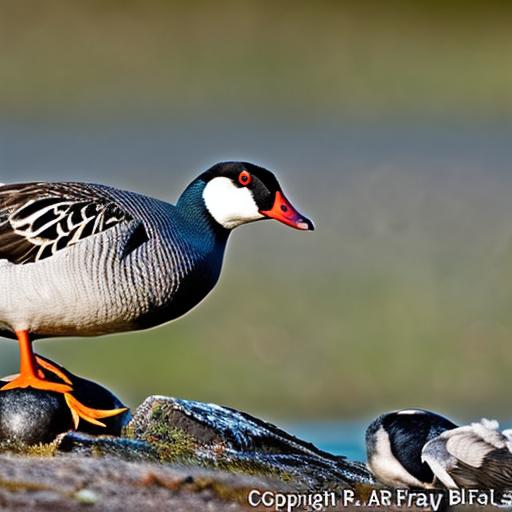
x,y
244,178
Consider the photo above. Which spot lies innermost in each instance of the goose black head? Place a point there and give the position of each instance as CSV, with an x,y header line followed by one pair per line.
x,y
236,193
394,442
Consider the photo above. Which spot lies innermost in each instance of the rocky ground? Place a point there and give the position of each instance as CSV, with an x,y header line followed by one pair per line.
x,y
73,482
170,454
167,454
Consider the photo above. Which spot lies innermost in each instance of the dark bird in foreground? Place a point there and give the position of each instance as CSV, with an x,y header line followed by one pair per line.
x,y
79,259
416,448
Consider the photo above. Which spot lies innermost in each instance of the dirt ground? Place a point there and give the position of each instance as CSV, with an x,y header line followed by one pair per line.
x,y
69,483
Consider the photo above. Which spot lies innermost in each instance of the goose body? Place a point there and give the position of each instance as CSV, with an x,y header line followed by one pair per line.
x,y
154,264
80,259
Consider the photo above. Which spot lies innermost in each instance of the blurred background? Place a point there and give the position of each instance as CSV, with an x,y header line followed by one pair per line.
x,y
388,123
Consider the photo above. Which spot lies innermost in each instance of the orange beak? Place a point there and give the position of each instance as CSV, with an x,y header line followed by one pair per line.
x,y
284,212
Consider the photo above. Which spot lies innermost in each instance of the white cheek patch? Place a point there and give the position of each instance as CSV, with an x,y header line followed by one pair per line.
x,y
230,205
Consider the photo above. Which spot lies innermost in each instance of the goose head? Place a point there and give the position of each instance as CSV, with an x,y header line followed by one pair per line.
x,y
237,193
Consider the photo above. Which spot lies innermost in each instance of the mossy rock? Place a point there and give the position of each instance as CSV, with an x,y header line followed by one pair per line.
x,y
184,431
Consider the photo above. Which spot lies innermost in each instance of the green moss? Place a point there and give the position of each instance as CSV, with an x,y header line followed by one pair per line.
x,y
35,450
128,431
171,443
159,428
42,450
178,445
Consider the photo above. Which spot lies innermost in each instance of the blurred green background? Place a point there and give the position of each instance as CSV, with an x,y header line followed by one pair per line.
x,y
387,122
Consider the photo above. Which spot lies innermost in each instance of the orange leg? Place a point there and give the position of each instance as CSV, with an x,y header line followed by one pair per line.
x,y
30,375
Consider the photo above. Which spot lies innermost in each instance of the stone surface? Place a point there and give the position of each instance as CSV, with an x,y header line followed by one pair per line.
x,y
171,430
31,416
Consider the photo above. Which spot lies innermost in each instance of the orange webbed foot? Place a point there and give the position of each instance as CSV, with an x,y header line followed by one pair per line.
x,y
32,381
80,411
46,365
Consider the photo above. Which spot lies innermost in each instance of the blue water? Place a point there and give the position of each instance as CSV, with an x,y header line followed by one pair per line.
x,y
339,438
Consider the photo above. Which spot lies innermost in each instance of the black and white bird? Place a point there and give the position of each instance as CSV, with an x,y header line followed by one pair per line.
x,y
394,444
79,259
418,448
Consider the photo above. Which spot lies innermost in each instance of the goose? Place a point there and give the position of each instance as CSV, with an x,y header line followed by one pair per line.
x,y
80,259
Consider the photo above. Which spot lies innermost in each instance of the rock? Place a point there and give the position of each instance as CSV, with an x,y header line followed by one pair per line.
x,y
207,435
32,416
120,447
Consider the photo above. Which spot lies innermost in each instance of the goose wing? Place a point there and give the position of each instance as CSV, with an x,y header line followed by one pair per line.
x,y
476,456
39,219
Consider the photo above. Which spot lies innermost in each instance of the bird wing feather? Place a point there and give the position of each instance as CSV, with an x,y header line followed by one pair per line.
x,y
494,473
472,456
39,219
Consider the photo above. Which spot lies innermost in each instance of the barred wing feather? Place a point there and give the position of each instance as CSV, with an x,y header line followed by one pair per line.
x,y
39,219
